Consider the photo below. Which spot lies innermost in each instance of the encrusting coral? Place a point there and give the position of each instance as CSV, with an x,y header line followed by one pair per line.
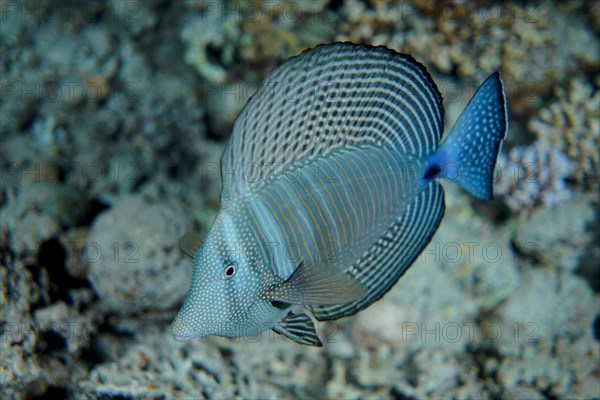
x,y
571,124
564,156
532,44
260,34
531,175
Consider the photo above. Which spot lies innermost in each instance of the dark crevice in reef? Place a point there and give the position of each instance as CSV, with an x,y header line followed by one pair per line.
x,y
36,275
53,257
411,371
228,357
95,208
479,355
329,374
123,328
588,264
334,5
526,256
411,375
95,354
52,341
199,365
139,183
547,393
53,392
495,210
112,328
396,394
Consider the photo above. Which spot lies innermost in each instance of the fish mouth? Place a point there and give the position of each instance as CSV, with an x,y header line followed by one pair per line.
x,y
184,335
182,338
179,333
186,338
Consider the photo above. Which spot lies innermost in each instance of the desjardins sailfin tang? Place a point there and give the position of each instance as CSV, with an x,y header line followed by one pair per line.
x,y
345,147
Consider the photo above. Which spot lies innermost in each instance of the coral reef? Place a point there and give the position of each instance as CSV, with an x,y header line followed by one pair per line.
x,y
563,158
533,174
571,124
533,44
231,45
564,246
258,34
548,347
140,269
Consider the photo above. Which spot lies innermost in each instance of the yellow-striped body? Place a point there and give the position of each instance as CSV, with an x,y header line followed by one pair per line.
x,y
331,210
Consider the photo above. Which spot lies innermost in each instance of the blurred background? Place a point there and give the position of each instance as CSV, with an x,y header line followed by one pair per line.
x,y
113,117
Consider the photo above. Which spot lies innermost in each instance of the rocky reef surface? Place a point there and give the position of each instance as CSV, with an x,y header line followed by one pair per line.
x,y
113,117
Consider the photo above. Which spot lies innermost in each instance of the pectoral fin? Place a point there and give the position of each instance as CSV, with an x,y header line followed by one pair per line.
x,y
300,328
190,243
317,285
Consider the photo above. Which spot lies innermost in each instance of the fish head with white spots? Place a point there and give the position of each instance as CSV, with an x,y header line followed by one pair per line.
x,y
229,274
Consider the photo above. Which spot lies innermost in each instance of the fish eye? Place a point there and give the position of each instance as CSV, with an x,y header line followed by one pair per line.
x,y
230,269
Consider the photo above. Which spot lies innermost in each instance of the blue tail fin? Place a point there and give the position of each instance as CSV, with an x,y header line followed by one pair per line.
x,y
468,155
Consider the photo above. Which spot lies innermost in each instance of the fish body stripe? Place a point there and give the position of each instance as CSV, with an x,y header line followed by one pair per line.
x,y
336,215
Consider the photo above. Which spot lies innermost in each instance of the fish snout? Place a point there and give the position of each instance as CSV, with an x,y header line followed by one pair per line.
x,y
182,338
178,331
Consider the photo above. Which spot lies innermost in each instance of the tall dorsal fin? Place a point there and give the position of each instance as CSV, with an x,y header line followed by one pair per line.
x,y
332,96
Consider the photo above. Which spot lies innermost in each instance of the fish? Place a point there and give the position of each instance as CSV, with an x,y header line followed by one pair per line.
x,y
331,189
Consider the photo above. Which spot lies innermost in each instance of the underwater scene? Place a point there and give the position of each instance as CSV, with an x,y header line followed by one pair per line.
x,y
281,199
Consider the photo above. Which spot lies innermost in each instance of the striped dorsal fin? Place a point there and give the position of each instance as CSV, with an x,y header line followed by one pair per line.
x,y
330,97
386,261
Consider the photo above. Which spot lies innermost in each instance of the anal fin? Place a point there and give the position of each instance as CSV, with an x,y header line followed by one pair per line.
x,y
299,328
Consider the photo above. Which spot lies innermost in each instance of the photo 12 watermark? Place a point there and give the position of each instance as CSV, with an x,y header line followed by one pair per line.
x,y
69,11
69,172
69,92
425,332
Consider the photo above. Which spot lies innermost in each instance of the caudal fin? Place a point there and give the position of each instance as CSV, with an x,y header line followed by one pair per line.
x,y
468,155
